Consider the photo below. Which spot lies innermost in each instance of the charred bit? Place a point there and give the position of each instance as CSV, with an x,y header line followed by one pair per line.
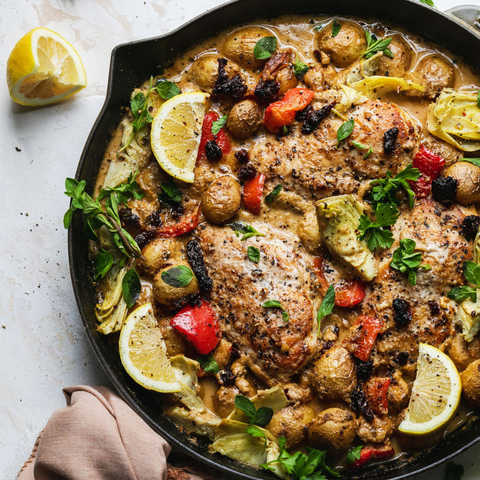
x,y
196,261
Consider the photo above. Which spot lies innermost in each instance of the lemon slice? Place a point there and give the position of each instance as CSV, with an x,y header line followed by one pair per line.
x,y
143,352
435,395
44,68
176,133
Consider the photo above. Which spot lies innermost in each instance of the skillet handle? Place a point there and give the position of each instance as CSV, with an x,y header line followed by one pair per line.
x,y
467,14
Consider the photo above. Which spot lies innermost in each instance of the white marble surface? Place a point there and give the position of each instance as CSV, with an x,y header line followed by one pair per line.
x,y
43,347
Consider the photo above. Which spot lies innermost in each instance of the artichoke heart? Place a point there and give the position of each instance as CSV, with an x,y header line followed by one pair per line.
x,y
377,85
468,317
455,118
202,423
338,218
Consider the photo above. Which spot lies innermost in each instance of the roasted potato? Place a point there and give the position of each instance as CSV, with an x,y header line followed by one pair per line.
x,y
468,176
346,47
335,376
204,72
240,44
471,383
290,422
333,429
167,294
434,73
222,199
402,58
376,431
160,253
244,119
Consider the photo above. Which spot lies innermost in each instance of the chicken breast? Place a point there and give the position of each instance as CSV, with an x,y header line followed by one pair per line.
x,y
436,231
312,166
275,348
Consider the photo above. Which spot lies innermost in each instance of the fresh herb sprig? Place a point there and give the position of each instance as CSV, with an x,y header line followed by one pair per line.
x,y
260,416
139,106
354,454
374,232
326,306
103,263
406,260
247,230
265,47
277,304
124,191
177,277
375,45
217,125
300,68
170,195
471,271
97,216
301,466
208,363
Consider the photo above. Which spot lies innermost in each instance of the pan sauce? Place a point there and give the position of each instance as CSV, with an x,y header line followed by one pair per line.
x,y
298,34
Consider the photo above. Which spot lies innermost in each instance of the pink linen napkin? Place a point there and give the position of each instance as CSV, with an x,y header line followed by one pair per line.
x,y
97,436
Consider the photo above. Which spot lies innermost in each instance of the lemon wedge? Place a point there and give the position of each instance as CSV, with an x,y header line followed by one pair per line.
x,y
143,352
176,133
435,395
44,68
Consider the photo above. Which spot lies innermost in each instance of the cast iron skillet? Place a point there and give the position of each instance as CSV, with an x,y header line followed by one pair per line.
x,y
131,64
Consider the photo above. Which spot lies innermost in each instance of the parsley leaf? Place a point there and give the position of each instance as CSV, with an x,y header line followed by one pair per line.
x,y
277,304
385,190
454,471
336,27
327,305
274,193
407,261
345,130
177,277
375,45
253,253
471,271
167,89
208,363
354,454
125,191
260,417
265,47
170,195
256,432
217,125
373,232
247,230
300,69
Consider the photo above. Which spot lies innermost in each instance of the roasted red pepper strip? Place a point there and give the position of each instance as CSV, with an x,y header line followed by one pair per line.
x,y
252,193
370,452
422,187
221,137
362,336
348,293
282,113
376,392
186,224
199,325
429,163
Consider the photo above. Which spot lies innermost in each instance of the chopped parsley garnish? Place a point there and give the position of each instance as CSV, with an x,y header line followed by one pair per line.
x,y
374,232
375,45
406,260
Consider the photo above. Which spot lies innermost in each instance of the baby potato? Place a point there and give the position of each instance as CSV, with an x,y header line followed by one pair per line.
x,y
244,119
346,47
159,253
167,294
400,63
290,422
240,44
334,374
333,429
435,73
204,72
222,199
471,383
468,176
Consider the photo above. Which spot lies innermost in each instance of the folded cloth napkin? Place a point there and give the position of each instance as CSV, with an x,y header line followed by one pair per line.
x,y
97,436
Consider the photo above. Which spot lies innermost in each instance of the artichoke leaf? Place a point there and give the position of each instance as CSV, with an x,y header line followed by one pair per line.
x,y
377,85
273,398
455,118
468,318
350,97
232,440
338,219
273,452
365,68
202,423
111,313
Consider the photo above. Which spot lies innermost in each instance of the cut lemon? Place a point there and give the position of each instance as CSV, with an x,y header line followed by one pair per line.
x,y
143,352
44,68
435,395
176,133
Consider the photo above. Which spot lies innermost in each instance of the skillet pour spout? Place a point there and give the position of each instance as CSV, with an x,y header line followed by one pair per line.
x,y
131,64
